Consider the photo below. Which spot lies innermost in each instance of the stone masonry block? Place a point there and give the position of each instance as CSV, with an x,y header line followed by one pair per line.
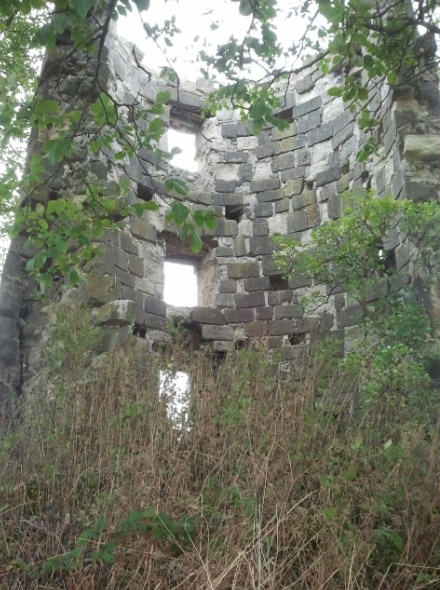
x,y
263,210
225,186
207,315
227,199
228,285
307,107
265,184
294,187
224,300
267,150
279,297
255,299
282,206
142,229
118,313
327,176
288,312
256,329
260,228
268,196
155,306
320,134
261,246
281,327
225,228
283,162
264,313
257,284
303,219
217,332
236,157
270,267
422,147
155,322
243,270
349,316
304,200
229,130
309,122
236,316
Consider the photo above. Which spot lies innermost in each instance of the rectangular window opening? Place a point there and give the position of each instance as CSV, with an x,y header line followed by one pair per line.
x,y
185,141
234,212
181,282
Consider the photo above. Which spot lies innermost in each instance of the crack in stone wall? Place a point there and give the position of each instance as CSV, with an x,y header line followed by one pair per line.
x,y
281,182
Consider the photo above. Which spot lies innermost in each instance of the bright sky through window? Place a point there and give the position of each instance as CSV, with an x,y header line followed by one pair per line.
x,y
180,285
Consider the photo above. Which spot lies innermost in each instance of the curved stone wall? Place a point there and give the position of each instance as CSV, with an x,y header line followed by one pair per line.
x,y
277,183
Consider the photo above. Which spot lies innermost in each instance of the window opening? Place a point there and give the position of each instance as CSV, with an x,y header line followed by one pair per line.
x,y
174,389
180,283
186,143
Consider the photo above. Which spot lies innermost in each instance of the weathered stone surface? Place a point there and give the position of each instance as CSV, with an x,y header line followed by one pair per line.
x,y
260,228
422,147
224,300
155,306
242,270
225,186
263,210
118,313
236,157
217,332
265,184
307,107
255,299
349,316
280,327
142,229
288,311
236,316
257,284
207,315
327,176
256,329
267,196
264,313
261,246
304,200
279,297
228,285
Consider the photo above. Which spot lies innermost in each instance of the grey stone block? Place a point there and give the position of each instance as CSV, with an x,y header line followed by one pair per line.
x,y
334,207
304,200
236,316
207,315
294,187
268,196
292,173
265,184
307,107
320,134
224,300
264,313
229,130
282,162
260,228
228,286
226,199
263,210
155,322
288,311
257,284
257,329
267,150
224,251
241,246
236,157
128,244
279,297
282,206
217,332
270,267
136,265
349,316
256,299
327,176
309,121
225,186
226,228
281,327
260,246
242,270
298,280
142,229
155,306
245,172
303,219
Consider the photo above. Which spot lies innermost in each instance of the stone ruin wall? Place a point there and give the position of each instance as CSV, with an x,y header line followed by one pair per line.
x,y
281,182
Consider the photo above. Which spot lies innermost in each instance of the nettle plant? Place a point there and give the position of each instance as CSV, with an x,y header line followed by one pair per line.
x,y
354,253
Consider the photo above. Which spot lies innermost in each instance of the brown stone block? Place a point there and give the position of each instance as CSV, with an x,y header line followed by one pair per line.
x,y
256,329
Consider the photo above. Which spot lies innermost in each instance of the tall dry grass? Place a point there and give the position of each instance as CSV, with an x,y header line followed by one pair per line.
x,y
264,486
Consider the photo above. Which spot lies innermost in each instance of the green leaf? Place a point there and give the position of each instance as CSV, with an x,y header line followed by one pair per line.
x,y
245,8
83,6
57,149
176,185
196,242
335,91
142,4
178,213
349,475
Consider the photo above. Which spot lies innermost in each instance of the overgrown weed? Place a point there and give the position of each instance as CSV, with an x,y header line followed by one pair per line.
x,y
274,483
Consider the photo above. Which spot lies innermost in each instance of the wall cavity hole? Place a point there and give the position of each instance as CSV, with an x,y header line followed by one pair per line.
x,y
295,339
144,192
278,283
186,143
180,284
139,331
234,212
